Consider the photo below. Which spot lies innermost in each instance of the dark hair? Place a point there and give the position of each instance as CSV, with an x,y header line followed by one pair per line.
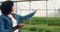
x,y
6,7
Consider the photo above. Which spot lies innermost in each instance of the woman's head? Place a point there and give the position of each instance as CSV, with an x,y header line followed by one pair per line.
x,y
7,7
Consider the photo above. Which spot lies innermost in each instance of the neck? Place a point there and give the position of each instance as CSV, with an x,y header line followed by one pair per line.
x,y
10,15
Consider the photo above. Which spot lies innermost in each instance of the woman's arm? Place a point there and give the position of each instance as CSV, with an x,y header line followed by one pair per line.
x,y
27,16
2,26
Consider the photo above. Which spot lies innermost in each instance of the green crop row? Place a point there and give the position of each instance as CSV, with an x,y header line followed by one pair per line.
x,y
41,24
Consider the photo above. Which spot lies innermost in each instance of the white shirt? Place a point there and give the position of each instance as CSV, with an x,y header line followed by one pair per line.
x,y
14,23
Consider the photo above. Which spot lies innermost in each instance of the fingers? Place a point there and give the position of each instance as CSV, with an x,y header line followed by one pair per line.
x,y
20,25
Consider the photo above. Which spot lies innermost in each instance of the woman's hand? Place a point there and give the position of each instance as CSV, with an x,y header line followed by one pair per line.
x,y
16,27
19,25
35,10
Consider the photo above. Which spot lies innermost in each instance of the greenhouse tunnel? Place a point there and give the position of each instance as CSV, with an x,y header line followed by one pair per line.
x,y
47,18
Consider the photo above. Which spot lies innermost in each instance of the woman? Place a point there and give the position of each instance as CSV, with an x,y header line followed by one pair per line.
x,y
10,22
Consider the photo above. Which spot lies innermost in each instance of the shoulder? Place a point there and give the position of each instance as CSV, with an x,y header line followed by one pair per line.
x,y
1,19
0,16
15,14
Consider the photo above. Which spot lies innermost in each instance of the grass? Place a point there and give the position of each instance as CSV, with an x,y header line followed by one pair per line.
x,y
41,24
